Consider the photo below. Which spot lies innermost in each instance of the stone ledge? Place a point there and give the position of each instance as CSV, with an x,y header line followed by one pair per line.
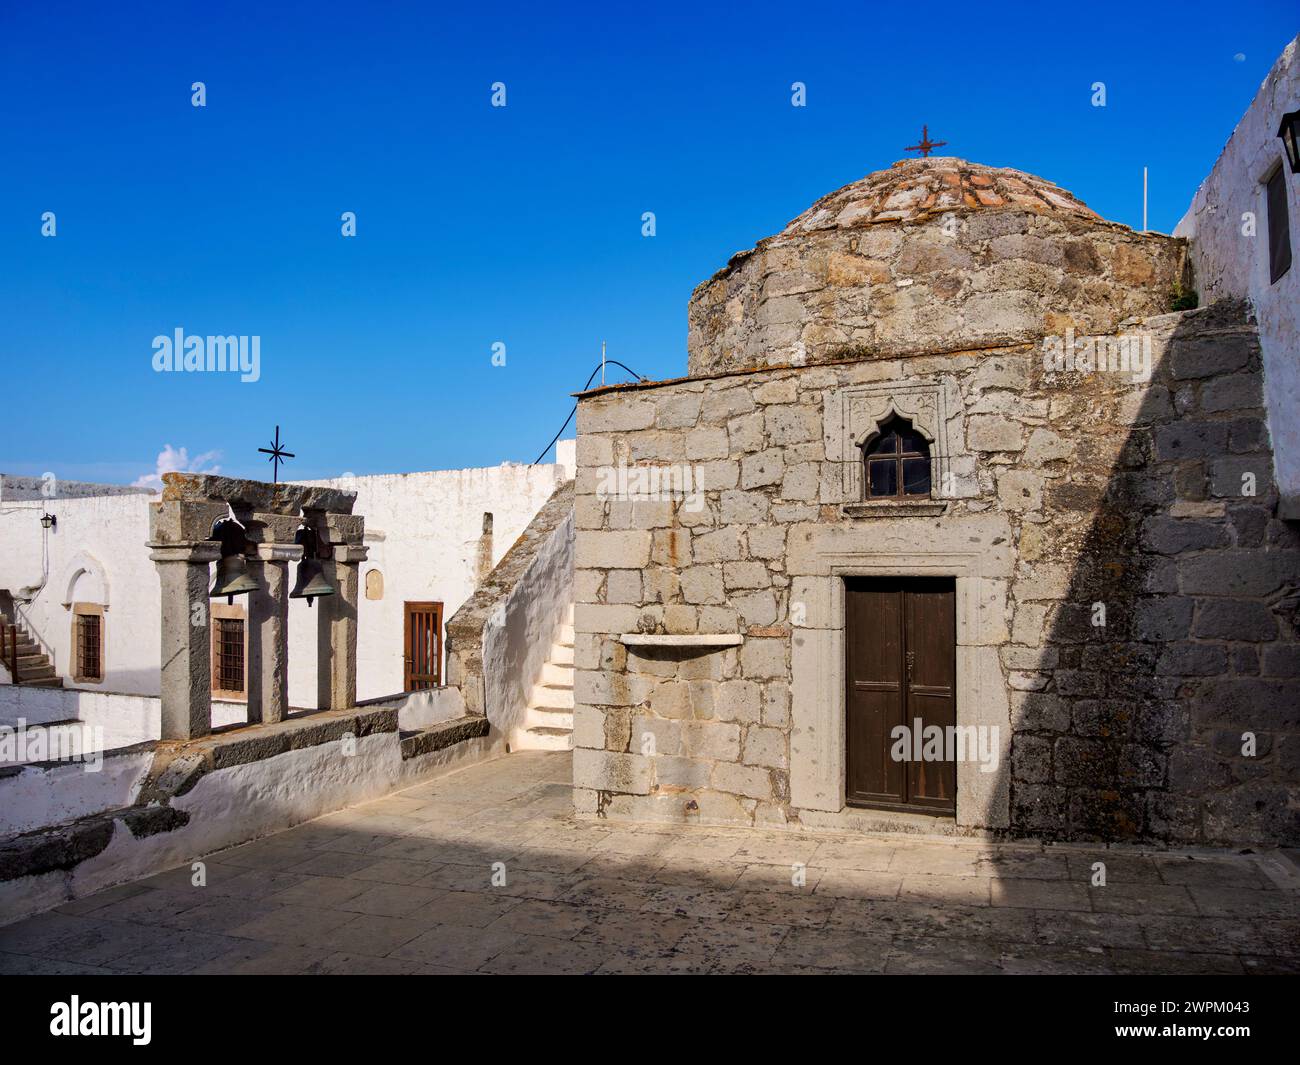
x,y
61,848
928,509
442,735
180,764
716,639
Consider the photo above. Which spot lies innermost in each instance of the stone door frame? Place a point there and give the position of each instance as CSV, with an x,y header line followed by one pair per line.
x,y
817,743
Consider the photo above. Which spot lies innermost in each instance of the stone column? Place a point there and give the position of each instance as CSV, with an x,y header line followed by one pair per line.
x,y
268,632
336,655
186,637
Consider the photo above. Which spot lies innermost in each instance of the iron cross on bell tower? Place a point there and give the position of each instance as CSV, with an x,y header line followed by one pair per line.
x,y
277,455
926,146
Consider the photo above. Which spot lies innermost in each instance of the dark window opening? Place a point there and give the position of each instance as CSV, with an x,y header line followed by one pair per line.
x,y
897,461
1279,226
89,665
228,667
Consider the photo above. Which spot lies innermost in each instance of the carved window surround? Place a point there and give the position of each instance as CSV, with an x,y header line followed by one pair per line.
x,y
853,414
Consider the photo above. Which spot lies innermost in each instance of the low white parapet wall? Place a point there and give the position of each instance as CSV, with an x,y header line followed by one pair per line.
x,y
66,832
115,719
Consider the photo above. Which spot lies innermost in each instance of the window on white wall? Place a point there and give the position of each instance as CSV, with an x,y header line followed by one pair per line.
x,y
1279,225
87,642
229,652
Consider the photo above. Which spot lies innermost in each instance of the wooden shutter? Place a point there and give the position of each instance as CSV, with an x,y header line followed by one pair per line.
x,y
1279,226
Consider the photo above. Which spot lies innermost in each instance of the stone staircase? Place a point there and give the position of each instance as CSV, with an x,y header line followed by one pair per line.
x,y
34,666
548,722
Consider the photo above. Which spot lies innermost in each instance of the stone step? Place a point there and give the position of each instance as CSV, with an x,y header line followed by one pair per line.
x,y
557,698
549,717
564,635
547,739
562,655
557,674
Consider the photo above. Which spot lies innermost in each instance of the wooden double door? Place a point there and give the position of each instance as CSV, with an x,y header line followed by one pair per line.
x,y
900,638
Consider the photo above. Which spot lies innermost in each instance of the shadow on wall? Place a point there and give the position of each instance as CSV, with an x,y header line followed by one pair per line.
x,y
1167,688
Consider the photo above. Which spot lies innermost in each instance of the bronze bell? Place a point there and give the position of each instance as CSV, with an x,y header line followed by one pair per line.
x,y
232,578
311,581
232,568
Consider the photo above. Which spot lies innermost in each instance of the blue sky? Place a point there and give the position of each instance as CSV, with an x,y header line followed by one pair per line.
x,y
519,225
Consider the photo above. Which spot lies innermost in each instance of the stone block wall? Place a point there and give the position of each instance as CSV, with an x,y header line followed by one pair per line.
x,y
1070,490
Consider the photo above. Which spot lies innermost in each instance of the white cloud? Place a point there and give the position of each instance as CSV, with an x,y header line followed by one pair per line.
x,y
177,460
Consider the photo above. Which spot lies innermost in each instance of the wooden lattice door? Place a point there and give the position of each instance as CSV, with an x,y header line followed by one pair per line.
x,y
423,650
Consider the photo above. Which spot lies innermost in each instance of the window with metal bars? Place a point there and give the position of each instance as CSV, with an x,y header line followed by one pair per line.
x,y
228,654
89,647
897,462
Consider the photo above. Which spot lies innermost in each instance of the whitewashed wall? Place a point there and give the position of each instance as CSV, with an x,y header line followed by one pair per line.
x,y
423,532
515,650
1230,264
96,554
422,529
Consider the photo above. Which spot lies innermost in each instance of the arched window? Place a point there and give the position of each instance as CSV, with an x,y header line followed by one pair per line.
x,y
897,461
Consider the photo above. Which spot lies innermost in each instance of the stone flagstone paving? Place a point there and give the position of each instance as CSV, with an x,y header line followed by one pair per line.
x,y
404,885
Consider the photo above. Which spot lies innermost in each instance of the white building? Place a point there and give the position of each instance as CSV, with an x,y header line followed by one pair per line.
x,y
1243,229
84,589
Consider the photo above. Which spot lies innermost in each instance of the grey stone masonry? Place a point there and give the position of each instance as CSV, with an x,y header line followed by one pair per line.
x,y
181,526
186,681
1128,600
931,255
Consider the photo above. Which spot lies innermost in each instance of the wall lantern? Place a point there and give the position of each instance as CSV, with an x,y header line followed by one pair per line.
x,y
1289,131
48,521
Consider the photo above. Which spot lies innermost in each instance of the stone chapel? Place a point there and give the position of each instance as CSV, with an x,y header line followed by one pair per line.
x,y
961,521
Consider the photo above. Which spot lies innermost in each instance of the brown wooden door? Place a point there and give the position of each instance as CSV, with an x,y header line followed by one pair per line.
x,y
900,639
423,646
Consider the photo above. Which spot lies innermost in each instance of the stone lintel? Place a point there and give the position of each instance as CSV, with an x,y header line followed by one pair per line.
x,y
264,528
255,495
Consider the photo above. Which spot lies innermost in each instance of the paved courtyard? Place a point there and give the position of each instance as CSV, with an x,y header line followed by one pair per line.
x,y
486,871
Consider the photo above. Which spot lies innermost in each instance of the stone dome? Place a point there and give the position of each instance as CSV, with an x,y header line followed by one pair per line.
x,y
930,256
914,189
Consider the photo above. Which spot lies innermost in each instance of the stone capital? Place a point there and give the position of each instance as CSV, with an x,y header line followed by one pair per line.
x,y
350,554
196,551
